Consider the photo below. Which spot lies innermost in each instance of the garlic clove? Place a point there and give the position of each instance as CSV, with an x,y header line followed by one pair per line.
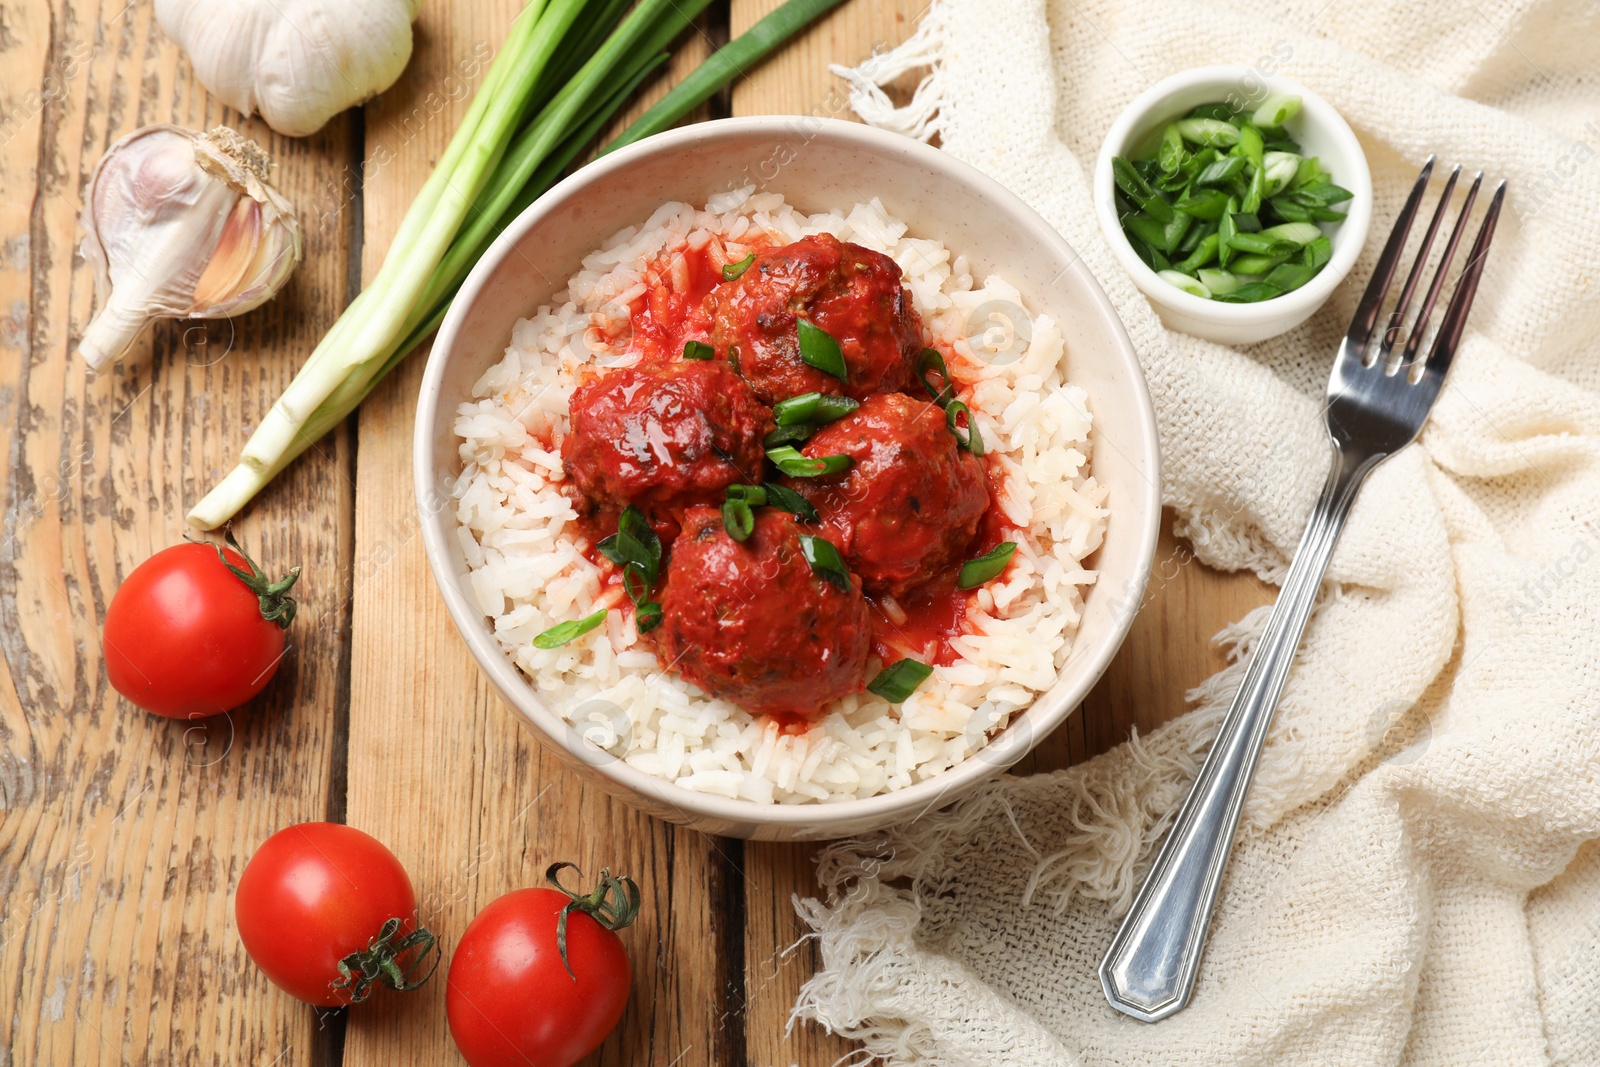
x,y
181,225
296,62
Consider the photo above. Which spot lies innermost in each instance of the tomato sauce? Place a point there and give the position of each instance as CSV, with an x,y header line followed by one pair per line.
x,y
935,613
674,310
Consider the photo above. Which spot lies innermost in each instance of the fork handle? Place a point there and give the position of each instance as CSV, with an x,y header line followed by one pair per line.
x,y
1149,971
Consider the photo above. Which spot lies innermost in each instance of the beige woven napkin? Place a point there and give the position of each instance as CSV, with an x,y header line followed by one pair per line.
x,y
1416,880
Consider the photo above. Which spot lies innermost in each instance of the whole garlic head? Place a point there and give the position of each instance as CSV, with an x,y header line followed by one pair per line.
x,y
297,62
181,225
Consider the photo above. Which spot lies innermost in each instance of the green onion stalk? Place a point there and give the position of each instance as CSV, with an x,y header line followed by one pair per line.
x,y
536,112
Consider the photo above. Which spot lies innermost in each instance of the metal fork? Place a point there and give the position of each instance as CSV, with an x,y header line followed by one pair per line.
x,y
1377,403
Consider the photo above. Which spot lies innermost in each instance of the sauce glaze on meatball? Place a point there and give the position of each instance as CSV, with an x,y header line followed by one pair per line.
x,y
910,504
752,623
663,437
851,292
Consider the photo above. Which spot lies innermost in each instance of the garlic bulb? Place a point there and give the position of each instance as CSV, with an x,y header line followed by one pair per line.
x,y
297,62
181,225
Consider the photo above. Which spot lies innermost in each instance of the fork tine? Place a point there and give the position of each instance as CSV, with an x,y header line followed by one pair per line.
x,y
1397,317
1420,328
1366,315
1455,316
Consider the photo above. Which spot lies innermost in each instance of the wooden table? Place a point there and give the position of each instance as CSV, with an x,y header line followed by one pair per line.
x,y
122,835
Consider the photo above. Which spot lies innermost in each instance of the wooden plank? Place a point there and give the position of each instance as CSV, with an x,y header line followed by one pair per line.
x,y
439,768
123,832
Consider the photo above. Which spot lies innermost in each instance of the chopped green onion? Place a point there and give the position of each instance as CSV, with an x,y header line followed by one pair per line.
x,y
1298,233
647,616
786,499
1203,253
1318,252
1221,188
563,632
1249,293
1204,204
1250,146
819,349
789,460
899,680
1287,276
1138,190
1278,170
732,271
975,572
968,436
635,544
1213,132
813,408
929,359
698,350
1276,110
635,582
1227,229
738,516
789,435
1262,245
1222,170
825,560
1255,264
1217,282
1172,151
1250,203
1183,281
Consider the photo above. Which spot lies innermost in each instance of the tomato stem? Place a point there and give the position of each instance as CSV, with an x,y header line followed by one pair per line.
x,y
379,961
276,603
614,904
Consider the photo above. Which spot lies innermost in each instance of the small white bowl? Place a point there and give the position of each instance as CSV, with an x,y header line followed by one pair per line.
x,y
1320,131
817,165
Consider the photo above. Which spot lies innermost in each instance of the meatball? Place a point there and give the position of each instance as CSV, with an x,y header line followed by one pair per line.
x,y
910,504
751,622
664,437
851,292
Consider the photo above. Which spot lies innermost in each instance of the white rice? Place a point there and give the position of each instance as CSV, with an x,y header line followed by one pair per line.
x,y
527,557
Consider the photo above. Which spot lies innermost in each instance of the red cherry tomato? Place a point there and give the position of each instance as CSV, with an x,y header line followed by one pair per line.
x,y
319,893
510,998
186,637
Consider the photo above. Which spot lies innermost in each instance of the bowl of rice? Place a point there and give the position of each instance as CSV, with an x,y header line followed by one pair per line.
x,y
1035,352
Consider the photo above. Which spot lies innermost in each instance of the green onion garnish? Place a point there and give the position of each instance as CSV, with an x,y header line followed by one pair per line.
x,y
636,583
813,407
731,271
563,632
789,435
1230,189
698,350
786,499
975,572
647,616
789,460
820,350
970,438
929,359
899,680
825,560
1276,110
738,516
637,550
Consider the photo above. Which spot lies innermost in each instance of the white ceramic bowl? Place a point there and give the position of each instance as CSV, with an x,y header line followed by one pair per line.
x,y
816,165
1320,132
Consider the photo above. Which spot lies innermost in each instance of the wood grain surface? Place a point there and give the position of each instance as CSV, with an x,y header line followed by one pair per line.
x,y
121,834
